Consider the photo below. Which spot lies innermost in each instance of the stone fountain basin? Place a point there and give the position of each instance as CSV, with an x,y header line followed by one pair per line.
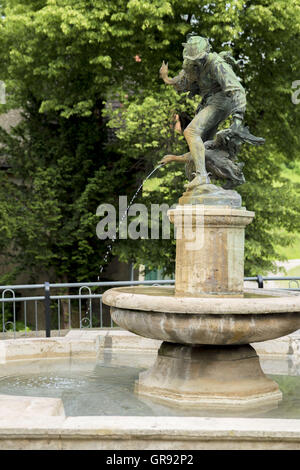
x,y
155,312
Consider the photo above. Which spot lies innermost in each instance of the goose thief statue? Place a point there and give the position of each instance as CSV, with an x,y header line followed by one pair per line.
x,y
212,76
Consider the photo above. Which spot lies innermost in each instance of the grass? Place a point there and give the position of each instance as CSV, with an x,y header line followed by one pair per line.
x,y
293,251
290,284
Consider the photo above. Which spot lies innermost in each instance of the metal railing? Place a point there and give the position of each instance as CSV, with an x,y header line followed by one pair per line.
x,y
49,310
261,279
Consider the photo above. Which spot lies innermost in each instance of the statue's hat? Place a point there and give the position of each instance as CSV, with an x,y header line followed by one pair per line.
x,y
195,48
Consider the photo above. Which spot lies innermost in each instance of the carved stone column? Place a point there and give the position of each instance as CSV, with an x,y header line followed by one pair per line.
x,y
209,249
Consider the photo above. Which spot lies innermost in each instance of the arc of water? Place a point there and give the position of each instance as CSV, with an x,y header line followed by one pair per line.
x,y
124,215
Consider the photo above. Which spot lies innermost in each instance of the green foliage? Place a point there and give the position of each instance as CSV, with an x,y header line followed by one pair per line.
x,y
60,59
67,52
48,210
8,321
146,124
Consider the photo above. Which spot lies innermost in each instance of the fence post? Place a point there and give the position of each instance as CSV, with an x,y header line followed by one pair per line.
x,y
260,282
47,310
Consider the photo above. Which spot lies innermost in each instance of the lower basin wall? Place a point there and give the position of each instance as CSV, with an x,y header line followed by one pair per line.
x,y
90,343
149,433
38,428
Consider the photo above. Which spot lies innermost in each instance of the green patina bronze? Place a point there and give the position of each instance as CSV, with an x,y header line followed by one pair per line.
x,y
212,76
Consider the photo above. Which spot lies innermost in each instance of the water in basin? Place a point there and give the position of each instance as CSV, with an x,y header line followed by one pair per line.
x,y
90,387
170,292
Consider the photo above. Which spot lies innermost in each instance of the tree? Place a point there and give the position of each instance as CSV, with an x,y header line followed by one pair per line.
x,y
263,37
61,59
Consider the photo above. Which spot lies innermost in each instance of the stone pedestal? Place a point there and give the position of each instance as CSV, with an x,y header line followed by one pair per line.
x,y
209,377
211,195
209,249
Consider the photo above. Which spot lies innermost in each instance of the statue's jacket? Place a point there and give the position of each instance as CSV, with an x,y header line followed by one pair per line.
x,y
217,83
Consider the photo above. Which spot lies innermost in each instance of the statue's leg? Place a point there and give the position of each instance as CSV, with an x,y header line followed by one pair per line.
x,y
196,146
202,127
210,134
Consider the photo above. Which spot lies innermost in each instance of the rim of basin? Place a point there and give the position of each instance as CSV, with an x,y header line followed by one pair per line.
x,y
267,302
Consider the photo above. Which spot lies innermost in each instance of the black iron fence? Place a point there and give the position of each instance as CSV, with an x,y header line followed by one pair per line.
x,y
61,307
32,308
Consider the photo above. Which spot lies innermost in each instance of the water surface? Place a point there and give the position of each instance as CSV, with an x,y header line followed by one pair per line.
x,y
90,387
170,292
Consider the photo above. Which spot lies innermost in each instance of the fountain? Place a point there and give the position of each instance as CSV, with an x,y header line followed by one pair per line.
x,y
208,320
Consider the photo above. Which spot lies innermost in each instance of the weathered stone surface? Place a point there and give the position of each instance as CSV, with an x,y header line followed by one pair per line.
x,y
209,249
162,299
210,194
280,347
152,433
206,329
31,348
14,407
117,340
208,377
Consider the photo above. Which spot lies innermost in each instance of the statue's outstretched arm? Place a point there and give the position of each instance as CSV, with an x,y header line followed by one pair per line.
x,y
175,158
176,81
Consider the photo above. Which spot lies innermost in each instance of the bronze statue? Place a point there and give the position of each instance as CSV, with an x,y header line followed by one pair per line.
x,y
212,76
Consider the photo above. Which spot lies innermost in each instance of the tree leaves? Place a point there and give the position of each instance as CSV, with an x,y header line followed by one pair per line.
x,y
60,59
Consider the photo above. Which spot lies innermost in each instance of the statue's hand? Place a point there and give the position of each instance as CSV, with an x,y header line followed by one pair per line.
x,y
163,71
167,159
